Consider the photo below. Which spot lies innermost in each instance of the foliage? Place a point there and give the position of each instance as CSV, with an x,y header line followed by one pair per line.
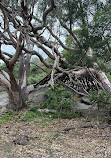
x,y
36,74
92,22
61,100
77,56
3,67
6,117
29,116
102,98
9,115
109,76
58,98
34,78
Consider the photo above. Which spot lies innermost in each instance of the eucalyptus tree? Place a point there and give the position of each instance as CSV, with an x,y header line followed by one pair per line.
x,y
90,22
26,25
17,30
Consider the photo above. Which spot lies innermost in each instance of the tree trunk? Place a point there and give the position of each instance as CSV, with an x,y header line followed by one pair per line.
x,y
16,101
16,96
82,79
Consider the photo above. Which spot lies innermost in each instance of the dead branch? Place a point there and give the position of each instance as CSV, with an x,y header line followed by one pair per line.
x,y
39,67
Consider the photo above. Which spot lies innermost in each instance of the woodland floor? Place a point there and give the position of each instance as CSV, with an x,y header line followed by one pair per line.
x,y
55,138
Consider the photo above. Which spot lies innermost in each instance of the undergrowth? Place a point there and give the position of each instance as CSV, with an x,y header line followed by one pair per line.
x,y
59,102
8,116
102,99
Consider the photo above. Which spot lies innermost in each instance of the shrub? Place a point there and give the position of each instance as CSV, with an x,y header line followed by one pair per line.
x,y
61,100
36,78
102,98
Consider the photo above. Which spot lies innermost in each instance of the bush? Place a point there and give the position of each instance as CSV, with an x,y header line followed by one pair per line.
x,y
36,78
102,98
108,76
61,100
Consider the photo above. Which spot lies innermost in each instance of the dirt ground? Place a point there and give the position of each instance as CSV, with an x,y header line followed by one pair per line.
x,y
60,138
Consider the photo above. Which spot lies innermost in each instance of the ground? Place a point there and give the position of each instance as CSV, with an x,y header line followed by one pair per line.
x,y
54,138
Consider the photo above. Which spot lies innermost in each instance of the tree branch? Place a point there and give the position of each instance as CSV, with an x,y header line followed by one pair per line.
x,y
2,56
45,14
18,50
71,33
61,43
7,54
44,49
39,67
40,57
5,80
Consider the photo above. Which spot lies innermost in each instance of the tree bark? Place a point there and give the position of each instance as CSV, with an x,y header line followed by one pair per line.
x,y
16,98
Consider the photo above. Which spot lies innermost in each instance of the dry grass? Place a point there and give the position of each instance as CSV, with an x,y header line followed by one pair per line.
x,y
48,139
